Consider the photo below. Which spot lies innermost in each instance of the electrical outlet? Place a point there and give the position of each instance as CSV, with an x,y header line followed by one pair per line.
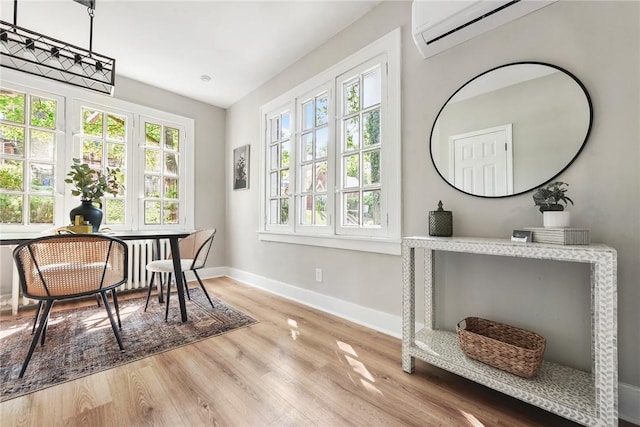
x,y
318,275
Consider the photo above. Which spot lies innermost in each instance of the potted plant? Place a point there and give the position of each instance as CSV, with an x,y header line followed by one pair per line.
x,y
91,184
550,199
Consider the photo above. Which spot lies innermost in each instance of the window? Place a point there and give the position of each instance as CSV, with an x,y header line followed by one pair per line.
x,y
29,123
162,167
105,138
43,130
332,155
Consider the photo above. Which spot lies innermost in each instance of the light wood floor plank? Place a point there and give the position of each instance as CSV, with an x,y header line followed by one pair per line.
x,y
297,367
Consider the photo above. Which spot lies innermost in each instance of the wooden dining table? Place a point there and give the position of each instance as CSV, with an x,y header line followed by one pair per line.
x,y
174,236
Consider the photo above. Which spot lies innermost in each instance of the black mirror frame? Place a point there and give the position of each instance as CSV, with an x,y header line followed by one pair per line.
x,y
586,137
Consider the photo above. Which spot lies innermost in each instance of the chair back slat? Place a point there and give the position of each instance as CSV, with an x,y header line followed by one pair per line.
x,y
70,265
196,246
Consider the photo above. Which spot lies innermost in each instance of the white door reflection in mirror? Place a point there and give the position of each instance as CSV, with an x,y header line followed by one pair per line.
x,y
482,161
551,114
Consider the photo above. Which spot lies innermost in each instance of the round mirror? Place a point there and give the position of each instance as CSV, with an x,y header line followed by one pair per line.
x,y
511,129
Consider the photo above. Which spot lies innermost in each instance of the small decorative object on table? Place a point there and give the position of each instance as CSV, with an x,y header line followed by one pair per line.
x,y
440,222
560,236
511,349
548,199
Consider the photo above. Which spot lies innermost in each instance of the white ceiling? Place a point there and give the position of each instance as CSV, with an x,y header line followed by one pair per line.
x,y
170,44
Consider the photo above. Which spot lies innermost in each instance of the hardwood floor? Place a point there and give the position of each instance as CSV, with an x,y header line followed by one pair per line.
x,y
297,367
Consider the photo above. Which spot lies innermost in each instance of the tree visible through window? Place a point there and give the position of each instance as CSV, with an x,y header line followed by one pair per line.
x,y
28,124
161,173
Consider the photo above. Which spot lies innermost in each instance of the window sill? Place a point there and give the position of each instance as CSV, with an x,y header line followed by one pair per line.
x,y
364,244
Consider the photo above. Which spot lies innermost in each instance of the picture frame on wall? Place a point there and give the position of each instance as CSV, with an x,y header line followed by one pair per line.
x,y
241,167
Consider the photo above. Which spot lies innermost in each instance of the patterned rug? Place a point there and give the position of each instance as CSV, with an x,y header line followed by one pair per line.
x,y
80,341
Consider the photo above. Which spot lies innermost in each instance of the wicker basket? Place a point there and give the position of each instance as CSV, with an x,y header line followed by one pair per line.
x,y
502,346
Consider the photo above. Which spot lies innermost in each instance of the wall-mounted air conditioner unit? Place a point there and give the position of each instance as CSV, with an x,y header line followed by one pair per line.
x,y
439,25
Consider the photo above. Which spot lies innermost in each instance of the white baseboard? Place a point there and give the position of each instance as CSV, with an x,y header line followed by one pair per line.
x,y
628,395
629,403
374,319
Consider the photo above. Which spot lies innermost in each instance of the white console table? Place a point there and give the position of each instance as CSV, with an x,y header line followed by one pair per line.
x,y
589,398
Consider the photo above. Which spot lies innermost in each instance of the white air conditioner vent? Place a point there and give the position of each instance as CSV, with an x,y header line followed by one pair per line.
x,y
440,25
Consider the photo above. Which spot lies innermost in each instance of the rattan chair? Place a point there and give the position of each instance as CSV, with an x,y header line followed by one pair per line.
x,y
194,250
62,267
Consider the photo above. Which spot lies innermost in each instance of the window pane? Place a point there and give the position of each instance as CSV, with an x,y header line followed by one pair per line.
x,y
41,210
273,211
114,211
322,110
92,152
171,163
92,122
286,126
275,129
371,126
371,208
152,160
285,150
12,139
170,213
352,171
371,167
11,175
306,173
284,182
321,210
12,106
171,139
171,188
115,155
10,209
42,144
43,112
371,88
152,134
42,177
151,186
352,133
351,209
322,138
151,212
121,178
321,177
274,157
306,210
116,127
284,211
307,146
307,115
274,184
352,97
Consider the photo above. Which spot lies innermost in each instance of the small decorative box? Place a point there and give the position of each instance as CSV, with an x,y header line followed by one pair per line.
x,y
440,222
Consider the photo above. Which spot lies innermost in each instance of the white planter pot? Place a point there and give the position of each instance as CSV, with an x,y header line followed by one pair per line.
x,y
556,219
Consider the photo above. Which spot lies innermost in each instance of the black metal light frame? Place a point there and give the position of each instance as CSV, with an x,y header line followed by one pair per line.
x,y
34,53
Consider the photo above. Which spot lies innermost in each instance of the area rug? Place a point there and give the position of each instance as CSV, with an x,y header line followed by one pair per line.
x,y
80,341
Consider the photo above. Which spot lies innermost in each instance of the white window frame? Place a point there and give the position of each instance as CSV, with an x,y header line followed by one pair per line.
x,y
59,205
70,148
387,238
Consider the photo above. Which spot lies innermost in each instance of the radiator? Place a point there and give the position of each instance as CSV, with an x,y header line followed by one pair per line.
x,y
140,253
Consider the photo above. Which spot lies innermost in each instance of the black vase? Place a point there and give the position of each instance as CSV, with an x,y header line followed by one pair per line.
x,y
89,212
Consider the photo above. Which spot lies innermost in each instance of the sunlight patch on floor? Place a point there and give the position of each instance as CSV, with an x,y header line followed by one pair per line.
x,y
473,421
293,329
357,366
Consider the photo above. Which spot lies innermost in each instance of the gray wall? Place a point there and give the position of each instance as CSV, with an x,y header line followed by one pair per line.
x,y
209,153
551,298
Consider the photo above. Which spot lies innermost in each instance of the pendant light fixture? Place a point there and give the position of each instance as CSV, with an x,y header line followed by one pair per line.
x,y
34,53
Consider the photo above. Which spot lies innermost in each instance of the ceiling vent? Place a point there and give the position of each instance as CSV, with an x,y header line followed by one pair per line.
x,y
439,25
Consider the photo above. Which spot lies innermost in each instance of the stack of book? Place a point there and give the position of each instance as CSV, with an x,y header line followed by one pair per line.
x,y
560,236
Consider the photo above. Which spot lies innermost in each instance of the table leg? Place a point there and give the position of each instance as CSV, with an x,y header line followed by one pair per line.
x,y
177,269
